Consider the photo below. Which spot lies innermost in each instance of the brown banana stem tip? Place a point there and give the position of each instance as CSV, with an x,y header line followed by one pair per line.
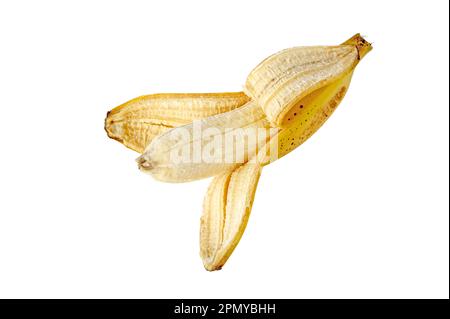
x,y
361,44
143,164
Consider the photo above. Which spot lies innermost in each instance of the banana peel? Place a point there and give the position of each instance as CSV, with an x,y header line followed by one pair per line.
x,y
226,210
137,122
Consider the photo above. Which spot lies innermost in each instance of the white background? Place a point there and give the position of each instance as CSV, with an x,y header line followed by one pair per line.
x,y
359,211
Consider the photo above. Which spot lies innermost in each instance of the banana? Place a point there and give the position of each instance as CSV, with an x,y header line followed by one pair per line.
x,y
136,122
290,96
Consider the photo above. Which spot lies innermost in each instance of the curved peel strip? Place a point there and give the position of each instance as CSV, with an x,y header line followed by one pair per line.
x,y
136,122
226,211
285,78
310,115
277,86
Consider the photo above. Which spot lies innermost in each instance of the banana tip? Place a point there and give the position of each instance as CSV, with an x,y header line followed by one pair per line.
x,y
143,163
212,268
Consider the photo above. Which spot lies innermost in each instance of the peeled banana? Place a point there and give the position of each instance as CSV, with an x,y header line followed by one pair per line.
x,y
207,147
231,136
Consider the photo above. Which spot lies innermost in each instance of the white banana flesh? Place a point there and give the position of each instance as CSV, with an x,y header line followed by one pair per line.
x,y
207,147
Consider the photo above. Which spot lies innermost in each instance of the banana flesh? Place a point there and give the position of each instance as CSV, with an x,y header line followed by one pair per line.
x,y
136,122
290,96
161,158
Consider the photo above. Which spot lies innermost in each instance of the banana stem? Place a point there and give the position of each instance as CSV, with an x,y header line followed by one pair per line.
x,y
143,164
361,44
